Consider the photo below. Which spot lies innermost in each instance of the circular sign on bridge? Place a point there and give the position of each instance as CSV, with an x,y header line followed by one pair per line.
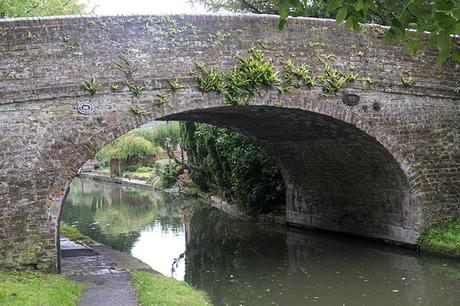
x,y
85,108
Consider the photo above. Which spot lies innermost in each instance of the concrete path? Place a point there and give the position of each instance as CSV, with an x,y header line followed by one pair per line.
x,y
103,269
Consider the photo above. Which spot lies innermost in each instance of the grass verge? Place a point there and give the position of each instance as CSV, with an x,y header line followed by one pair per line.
x,y
159,290
34,288
443,238
74,234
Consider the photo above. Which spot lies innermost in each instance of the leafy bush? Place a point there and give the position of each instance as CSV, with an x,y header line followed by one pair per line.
x,y
165,175
230,165
443,237
166,136
135,143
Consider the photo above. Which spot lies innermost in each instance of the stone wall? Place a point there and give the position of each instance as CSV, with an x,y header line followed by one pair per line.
x,y
384,167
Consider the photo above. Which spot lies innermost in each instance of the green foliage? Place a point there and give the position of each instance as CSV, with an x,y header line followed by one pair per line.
x,y
252,73
91,85
126,66
298,75
139,111
139,171
156,289
443,237
406,81
333,79
32,8
166,175
175,85
33,288
114,87
161,98
135,88
249,77
209,79
229,164
135,143
74,234
408,20
167,136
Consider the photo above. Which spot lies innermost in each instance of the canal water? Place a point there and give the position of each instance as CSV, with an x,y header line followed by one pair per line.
x,y
242,263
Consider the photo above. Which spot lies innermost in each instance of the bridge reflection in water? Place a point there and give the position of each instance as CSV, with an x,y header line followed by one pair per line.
x,y
240,262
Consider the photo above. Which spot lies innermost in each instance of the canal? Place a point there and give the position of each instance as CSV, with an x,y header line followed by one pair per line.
x,y
242,263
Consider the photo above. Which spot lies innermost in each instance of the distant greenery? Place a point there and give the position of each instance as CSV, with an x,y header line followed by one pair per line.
x,y
135,143
31,8
231,165
140,171
165,174
74,234
156,289
33,288
166,136
443,237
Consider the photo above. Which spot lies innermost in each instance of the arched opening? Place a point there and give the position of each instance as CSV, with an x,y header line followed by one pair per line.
x,y
338,177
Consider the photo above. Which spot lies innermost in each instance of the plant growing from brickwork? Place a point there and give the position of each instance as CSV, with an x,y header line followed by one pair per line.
x,y
298,75
334,79
217,38
367,79
175,85
249,77
91,85
139,111
135,88
161,98
126,66
114,87
209,79
406,81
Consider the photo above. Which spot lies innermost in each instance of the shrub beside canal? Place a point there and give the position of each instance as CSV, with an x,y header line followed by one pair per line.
x,y
34,288
443,238
74,234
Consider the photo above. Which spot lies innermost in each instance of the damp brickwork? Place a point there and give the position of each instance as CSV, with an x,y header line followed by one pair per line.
x,y
385,166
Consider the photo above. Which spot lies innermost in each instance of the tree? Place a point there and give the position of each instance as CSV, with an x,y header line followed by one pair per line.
x,y
167,137
134,144
408,19
230,164
32,8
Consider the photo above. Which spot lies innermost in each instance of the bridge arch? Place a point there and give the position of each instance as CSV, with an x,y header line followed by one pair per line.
x,y
397,147
338,176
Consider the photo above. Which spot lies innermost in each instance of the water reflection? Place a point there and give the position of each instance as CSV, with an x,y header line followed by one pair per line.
x,y
238,262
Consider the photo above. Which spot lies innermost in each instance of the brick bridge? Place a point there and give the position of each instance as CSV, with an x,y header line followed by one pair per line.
x,y
385,166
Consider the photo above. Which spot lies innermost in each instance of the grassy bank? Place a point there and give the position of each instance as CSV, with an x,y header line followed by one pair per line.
x,y
73,234
33,288
156,289
443,238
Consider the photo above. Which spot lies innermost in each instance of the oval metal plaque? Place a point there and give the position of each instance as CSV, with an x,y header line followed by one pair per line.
x,y
350,99
85,108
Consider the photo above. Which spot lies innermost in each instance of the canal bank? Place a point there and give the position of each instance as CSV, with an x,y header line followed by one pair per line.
x,y
113,278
